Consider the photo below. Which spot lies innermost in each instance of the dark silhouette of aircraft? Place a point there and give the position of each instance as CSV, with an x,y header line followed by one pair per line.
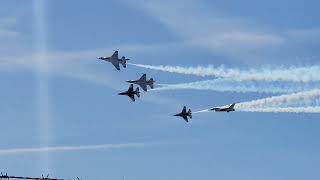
x,y
184,114
130,93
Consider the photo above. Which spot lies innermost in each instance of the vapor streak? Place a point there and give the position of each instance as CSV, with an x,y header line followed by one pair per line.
x,y
304,97
285,110
17,151
295,74
226,85
281,103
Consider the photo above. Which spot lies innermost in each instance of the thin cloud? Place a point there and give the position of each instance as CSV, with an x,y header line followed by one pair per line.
x,y
238,38
196,24
57,149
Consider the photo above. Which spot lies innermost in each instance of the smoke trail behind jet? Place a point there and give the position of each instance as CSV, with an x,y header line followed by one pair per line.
x,y
227,85
300,98
297,102
284,110
294,74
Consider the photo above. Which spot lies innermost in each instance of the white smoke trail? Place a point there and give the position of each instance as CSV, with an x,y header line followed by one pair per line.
x,y
18,151
295,74
202,111
305,97
226,85
284,110
281,103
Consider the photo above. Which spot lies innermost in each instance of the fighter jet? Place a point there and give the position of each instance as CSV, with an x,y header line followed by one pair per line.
x,y
131,93
227,109
143,83
184,114
114,59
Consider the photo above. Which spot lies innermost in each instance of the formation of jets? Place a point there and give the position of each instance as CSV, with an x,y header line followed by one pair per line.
x,y
144,83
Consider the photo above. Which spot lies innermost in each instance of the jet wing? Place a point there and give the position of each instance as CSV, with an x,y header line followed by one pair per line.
x,y
185,118
131,96
116,65
144,87
115,55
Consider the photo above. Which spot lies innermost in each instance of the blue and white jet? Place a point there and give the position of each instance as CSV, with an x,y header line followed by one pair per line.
x,y
143,82
114,59
222,109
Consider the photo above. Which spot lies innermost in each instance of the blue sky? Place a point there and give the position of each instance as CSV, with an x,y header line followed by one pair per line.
x,y
56,93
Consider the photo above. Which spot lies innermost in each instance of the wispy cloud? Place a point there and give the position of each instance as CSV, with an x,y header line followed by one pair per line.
x,y
200,26
56,149
7,25
239,38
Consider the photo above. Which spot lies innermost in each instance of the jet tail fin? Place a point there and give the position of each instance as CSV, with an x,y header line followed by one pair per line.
x,y
232,105
190,113
151,82
124,61
138,92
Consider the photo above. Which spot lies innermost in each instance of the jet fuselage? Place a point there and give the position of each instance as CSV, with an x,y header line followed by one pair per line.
x,y
142,83
227,109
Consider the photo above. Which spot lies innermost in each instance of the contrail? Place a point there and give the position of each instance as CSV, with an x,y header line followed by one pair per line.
x,y
305,97
281,103
275,110
18,151
227,85
284,110
295,74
